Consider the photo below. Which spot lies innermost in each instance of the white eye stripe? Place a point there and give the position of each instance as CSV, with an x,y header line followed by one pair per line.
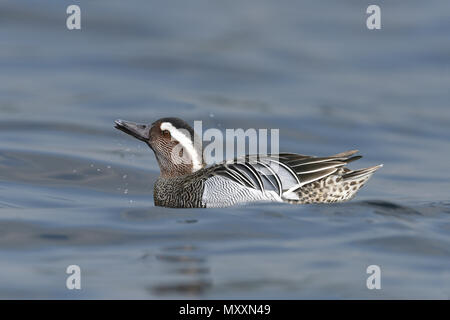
x,y
186,142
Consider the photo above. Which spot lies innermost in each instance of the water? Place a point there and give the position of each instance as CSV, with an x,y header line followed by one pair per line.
x,y
73,190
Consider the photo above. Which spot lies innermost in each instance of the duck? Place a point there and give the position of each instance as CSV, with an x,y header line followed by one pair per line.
x,y
185,181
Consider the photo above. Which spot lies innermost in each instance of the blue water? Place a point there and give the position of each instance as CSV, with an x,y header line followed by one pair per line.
x,y
73,190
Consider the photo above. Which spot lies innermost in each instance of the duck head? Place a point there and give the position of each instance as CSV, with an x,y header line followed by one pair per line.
x,y
172,141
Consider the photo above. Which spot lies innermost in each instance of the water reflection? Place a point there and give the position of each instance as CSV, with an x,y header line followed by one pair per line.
x,y
72,188
188,266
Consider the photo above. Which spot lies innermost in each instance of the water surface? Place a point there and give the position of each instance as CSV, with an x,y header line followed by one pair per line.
x,y
73,190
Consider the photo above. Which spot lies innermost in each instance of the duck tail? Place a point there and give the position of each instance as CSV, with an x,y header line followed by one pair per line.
x,y
361,173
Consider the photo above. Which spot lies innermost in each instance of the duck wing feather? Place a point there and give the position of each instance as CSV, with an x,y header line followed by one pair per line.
x,y
280,173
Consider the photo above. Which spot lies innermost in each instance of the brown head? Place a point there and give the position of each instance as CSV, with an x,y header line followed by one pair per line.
x,y
172,140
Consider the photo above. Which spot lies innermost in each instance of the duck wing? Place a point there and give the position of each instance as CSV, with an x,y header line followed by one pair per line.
x,y
280,173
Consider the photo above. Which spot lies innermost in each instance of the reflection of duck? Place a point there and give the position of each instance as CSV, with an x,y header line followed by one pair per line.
x,y
285,177
190,269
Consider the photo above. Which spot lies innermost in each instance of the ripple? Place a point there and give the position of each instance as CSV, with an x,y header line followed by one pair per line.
x,y
391,208
185,288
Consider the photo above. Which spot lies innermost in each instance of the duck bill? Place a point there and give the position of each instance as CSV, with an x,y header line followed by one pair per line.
x,y
137,130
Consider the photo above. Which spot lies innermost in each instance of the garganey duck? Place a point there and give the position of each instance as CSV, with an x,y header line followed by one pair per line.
x,y
284,177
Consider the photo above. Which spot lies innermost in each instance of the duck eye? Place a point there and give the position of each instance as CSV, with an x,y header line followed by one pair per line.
x,y
166,133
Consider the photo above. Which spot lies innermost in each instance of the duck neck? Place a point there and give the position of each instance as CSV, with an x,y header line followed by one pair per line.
x,y
170,170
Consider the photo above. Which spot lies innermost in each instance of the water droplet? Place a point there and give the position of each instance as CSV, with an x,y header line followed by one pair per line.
x,y
99,170
125,191
124,176
211,115
109,167
92,165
